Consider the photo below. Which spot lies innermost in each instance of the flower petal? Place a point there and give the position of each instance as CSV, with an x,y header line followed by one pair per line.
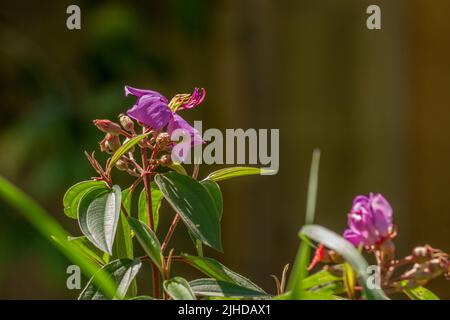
x,y
382,214
178,122
196,98
151,111
143,92
353,238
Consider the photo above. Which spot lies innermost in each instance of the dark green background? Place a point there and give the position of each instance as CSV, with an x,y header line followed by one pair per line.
x,y
375,102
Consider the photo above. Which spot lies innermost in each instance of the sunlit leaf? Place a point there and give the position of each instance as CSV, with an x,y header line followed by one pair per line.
x,y
194,204
217,288
215,192
88,249
74,194
124,149
157,197
121,271
420,293
148,241
98,216
179,289
218,271
47,226
299,270
234,172
335,242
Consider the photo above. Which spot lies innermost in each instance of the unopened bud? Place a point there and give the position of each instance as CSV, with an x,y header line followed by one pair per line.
x,y
166,160
126,122
420,254
108,126
387,248
122,165
113,142
163,139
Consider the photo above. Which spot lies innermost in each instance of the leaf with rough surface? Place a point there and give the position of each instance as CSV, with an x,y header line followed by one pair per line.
x,y
122,272
217,288
74,194
98,216
179,289
194,204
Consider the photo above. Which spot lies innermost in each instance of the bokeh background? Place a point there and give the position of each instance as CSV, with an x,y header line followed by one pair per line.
x,y
375,102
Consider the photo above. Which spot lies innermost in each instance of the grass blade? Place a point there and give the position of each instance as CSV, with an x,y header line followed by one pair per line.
x,y
50,229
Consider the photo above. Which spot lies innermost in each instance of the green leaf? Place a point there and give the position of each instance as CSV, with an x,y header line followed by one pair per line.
x,y
73,196
157,197
50,229
123,243
98,216
319,278
178,168
124,149
218,271
88,249
215,192
127,199
194,204
179,289
420,293
335,242
142,298
349,280
148,241
121,271
234,172
217,288
299,270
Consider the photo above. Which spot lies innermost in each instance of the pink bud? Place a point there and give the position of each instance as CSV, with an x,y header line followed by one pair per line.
x,y
107,126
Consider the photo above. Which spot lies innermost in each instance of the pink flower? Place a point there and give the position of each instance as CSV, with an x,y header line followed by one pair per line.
x,y
369,220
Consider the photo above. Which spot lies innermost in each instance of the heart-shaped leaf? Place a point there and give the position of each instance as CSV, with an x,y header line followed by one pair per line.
x,y
148,241
179,289
74,194
98,216
121,271
194,204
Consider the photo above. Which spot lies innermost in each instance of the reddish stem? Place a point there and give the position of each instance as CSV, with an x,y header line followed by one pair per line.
x,y
170,232
148,192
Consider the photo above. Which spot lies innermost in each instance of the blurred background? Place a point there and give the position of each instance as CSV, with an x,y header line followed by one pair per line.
x,y
375,102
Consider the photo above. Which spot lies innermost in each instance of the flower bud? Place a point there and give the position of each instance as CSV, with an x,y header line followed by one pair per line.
x,y
163,139
420,254
108,126
126,122
113,142
166,160
122,165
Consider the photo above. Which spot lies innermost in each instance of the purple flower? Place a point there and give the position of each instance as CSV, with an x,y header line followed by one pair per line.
x,y
369,220
154,110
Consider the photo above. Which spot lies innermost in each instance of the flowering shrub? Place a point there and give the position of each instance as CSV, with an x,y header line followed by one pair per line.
x,y
114,219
